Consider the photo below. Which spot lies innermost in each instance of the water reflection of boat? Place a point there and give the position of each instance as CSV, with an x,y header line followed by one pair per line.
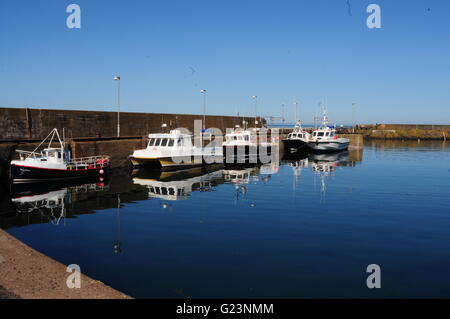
x,y
331,159
51,201
178,185
29,189
240,174
324,165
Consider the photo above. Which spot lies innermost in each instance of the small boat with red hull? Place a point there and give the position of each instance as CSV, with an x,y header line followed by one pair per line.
x,y
54,163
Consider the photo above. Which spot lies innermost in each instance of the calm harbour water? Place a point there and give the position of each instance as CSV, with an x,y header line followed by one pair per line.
x,y
306,227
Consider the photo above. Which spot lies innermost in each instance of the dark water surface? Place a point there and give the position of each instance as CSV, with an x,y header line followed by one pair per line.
x,y
303,228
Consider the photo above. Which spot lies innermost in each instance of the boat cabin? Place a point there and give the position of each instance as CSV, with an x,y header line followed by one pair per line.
x,y
297,135
51,155
324,133
57,155
239,136
168,192
175,139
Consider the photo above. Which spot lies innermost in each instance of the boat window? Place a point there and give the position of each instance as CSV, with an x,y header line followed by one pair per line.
x,y
163,190
157,142
327,134
52,154
164,142
320,134
171,142
246,137
171,191
151,142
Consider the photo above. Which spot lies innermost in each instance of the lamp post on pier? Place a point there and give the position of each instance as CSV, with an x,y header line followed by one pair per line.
x,y
204,107
117,78
255,99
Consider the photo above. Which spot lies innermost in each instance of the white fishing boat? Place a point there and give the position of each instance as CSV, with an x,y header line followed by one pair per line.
x,y
298,138
246,146
175,150
325,139
55,163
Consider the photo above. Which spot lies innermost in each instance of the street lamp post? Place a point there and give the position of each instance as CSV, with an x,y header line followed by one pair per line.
x,y
204,108
282,114
117,78
353,116
255,99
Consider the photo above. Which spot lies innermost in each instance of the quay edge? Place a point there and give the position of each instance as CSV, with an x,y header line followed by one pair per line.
x,y
27,274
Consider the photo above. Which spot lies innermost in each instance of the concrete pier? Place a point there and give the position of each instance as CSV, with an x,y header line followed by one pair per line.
x,y
26,273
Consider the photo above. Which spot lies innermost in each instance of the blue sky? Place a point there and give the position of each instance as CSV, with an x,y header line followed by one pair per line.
x,y
167,51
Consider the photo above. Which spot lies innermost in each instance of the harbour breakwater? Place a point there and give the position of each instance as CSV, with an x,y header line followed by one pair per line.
x,y
29,124
404,131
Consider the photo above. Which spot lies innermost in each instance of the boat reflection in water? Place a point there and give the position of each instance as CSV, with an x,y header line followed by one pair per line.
x,y
50,200
297,161
241,176
323,165
178,185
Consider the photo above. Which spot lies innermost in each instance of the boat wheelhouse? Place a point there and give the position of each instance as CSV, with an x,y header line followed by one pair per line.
x,y
297,139
246,146
175,150
55,163
325,139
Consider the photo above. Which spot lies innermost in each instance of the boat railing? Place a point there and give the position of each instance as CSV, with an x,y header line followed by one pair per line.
x,y
89,162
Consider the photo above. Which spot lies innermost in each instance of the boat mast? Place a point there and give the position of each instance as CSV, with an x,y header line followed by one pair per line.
x,y
49,136
295,112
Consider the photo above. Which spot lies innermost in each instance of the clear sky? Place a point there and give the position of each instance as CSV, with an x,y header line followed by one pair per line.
x,y
167,51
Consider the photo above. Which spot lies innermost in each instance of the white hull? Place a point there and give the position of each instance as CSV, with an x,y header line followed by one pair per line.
x,y
328,146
